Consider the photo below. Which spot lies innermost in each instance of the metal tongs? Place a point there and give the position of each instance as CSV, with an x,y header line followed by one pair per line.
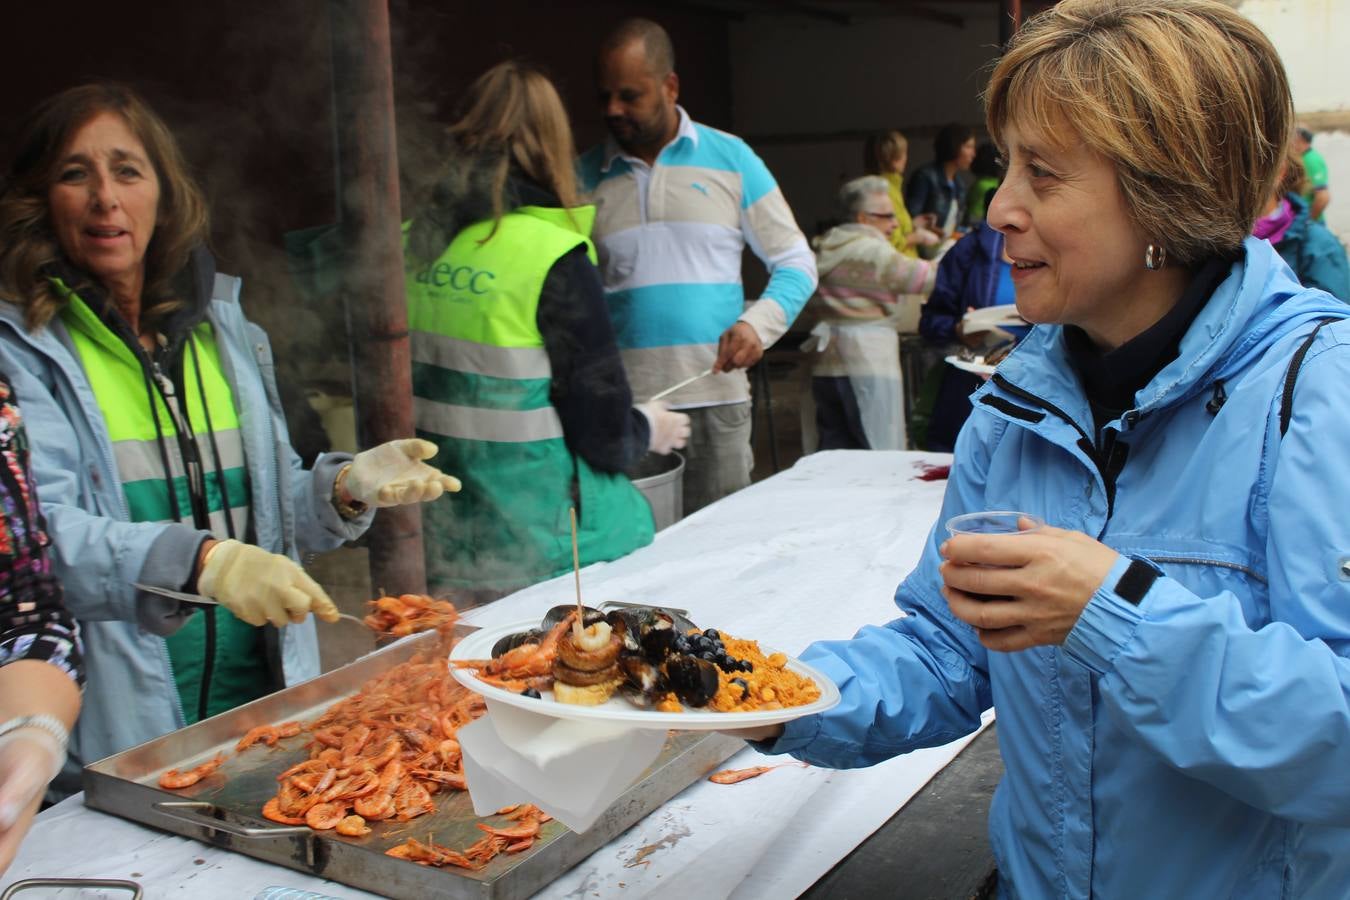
x,y
198,598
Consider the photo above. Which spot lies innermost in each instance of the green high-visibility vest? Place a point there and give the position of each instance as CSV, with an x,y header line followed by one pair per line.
x,y
239,669
481,379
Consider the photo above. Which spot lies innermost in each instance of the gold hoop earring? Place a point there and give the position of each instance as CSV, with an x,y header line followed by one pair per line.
x,y
1155,257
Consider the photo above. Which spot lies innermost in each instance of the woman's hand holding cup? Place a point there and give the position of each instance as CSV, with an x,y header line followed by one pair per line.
x,y
1018,582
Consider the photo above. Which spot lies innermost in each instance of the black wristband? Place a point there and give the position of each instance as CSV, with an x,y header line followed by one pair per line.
x,y
1136,581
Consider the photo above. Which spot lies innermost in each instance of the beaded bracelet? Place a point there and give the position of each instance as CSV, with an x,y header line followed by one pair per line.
x,y
49,724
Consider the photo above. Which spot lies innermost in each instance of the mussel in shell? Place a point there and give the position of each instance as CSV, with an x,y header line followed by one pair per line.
x,y
558,613
692,679
647,630
512,641
640,674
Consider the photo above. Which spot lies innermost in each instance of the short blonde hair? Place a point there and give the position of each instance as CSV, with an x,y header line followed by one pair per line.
x,y
881,150
1187,98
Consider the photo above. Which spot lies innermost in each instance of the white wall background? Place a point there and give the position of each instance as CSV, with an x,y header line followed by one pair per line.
x,y
1313,38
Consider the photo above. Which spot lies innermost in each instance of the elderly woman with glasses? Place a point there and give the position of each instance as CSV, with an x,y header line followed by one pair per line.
x,y
1169,655
868,292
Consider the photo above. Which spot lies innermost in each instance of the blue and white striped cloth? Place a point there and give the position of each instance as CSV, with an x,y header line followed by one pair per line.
x,y
670,239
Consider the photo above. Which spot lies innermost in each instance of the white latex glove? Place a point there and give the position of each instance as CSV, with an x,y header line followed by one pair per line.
x,y
260,587
669,430
29,758
393,474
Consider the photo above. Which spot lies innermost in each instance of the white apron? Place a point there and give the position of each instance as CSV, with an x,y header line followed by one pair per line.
x,y
868,354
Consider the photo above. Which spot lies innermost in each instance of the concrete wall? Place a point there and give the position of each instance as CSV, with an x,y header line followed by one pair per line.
x,y
1311,38
806,91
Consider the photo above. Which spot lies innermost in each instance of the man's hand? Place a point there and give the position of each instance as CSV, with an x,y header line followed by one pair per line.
x,y
1321,198
739,348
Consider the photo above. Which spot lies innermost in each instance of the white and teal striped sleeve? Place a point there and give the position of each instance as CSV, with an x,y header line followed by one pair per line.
x,y
772,233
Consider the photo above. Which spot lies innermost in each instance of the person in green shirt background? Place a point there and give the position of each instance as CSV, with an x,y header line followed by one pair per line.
x,y
1316,191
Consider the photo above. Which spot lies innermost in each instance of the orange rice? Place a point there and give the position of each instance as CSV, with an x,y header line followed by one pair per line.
x,y
772,685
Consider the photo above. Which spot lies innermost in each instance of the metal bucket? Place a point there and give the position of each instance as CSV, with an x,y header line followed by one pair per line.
x,y
661,481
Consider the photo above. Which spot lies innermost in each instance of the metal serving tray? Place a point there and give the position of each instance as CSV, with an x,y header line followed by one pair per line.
x,y
225,809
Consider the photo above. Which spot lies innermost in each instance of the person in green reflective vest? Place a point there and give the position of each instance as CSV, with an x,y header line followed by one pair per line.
x,y
158,442
517,377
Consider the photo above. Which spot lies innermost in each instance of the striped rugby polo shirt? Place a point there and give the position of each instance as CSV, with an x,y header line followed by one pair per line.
x,y
670,239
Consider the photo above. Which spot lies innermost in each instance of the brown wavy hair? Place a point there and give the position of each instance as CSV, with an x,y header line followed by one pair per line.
x,y
28,246
511,117
1187,98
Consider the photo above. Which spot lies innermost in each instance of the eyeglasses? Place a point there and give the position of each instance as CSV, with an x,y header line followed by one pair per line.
x,y
878,215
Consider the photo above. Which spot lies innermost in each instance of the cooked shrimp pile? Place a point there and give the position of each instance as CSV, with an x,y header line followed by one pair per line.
x,y
409,614
381,753
514,838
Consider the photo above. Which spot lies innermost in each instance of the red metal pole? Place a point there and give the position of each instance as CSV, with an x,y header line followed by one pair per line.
x,y
373,292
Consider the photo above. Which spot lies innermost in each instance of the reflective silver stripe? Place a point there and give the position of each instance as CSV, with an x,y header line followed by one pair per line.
x,y
480,359
140,460
217,519
240,516
474,424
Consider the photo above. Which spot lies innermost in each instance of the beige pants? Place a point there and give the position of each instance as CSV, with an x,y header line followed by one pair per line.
x,y
718,458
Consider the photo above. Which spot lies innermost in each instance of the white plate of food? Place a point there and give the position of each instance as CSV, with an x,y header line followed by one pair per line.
x,y
620,709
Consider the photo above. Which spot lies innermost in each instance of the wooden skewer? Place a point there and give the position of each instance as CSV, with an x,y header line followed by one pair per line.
x,y
576,567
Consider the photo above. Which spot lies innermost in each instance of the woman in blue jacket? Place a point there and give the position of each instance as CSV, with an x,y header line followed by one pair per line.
x,y
1168,656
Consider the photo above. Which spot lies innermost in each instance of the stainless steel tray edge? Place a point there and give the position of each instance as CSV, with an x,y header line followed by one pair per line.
x,y
125,785
350,864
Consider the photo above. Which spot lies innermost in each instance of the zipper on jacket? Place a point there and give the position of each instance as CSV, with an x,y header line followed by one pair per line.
x,y
1218,563
1108,455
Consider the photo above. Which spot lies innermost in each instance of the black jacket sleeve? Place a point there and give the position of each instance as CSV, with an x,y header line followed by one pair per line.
x,y
946,305
590,390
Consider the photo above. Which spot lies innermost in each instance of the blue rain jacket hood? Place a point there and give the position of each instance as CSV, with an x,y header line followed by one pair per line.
x,y
98,553
1194,744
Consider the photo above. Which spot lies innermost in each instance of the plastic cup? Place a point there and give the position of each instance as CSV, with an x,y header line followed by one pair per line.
x,y
994,521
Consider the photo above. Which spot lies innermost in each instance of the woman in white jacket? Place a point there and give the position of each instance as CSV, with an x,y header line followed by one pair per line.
x,y
868,293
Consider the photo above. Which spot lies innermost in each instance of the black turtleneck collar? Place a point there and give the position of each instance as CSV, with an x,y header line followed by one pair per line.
x,y
193,286
1112,378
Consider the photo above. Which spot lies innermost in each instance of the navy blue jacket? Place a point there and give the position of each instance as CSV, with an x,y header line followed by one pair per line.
x,y
928,191
967,277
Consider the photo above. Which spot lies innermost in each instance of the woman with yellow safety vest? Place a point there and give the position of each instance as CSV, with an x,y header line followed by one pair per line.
x,y
158,442
516,373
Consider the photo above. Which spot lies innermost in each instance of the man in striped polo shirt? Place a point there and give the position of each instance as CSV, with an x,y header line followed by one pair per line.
x,y
676,204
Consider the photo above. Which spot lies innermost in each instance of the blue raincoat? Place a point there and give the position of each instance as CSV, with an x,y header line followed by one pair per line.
x,y
1196,744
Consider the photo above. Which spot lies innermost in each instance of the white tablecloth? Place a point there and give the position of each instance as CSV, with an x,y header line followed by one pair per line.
x,y
813,552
